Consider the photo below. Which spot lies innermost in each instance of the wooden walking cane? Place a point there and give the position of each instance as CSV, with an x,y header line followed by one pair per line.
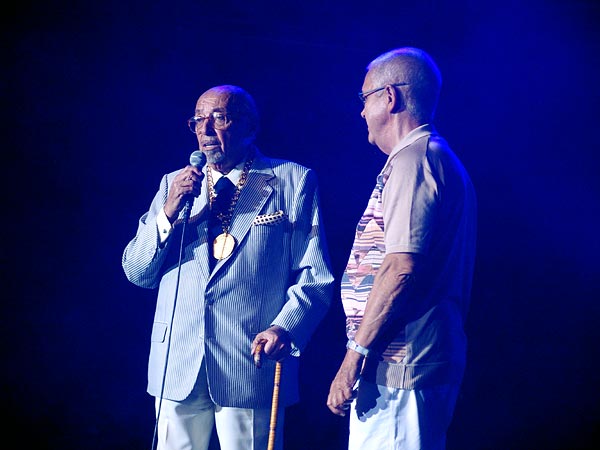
x,y
275,402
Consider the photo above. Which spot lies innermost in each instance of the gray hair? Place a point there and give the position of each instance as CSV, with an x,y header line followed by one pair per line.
x,y
415,67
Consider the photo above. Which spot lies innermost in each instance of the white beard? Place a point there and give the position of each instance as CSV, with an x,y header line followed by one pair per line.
x,y
214,156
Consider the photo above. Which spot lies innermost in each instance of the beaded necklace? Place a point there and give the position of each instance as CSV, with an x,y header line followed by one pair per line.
x,y
224,243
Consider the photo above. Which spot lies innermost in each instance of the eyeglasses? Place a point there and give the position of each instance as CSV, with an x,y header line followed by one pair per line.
x,y
218,120
363,95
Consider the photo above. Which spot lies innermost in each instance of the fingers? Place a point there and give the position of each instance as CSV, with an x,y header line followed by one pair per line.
x,y
338,406
275,343
275,349
260,349
186,184
343,391
274,339
189,180
338,410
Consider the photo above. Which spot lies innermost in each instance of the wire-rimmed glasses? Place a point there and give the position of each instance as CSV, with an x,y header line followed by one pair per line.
x,y
217,119
363,95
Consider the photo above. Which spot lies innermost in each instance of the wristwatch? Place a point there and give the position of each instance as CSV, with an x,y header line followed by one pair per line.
x,y
357,348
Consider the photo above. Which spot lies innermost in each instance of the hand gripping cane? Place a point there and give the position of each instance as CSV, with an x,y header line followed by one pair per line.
x,y
275,403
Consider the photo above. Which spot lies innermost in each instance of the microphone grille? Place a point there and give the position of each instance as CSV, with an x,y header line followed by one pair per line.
x,y
197,159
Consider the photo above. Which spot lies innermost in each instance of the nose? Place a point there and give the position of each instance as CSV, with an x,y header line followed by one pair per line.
x,y
362,113
204,127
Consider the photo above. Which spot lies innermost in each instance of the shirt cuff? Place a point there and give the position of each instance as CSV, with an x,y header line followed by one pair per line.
x,y
164,226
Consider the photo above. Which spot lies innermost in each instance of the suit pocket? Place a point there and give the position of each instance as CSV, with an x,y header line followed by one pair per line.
x,y
270,219
159,331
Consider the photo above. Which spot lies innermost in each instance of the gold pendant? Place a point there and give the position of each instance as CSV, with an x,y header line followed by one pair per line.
x,y
223,246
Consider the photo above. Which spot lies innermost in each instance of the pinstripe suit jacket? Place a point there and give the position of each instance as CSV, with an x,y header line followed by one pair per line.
x,y
278,274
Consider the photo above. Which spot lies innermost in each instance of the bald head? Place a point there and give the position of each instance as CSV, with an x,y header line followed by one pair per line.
x,y
238,103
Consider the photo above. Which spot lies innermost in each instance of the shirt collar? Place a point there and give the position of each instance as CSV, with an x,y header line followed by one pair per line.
x,y
233,175
411,137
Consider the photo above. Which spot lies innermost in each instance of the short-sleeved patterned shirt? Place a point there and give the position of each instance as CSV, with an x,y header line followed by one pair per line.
x,y
423,203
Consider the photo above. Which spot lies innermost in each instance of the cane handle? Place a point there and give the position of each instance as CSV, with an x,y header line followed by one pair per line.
x,y
258,354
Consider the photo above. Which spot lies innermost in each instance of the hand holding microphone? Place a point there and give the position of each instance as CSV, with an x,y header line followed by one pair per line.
x,y
185,187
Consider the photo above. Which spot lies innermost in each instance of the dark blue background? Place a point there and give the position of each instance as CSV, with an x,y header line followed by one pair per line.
x,y
96,95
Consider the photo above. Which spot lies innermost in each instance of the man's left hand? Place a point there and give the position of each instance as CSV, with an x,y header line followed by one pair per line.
x,y
276,342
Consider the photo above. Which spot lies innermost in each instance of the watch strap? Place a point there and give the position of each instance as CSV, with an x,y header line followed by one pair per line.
x,y
357,348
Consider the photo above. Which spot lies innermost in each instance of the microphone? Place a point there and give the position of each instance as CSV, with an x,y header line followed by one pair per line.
x,y
197,159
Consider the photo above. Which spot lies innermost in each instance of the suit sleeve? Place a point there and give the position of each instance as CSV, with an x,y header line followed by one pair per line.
x,y
144,256
309,295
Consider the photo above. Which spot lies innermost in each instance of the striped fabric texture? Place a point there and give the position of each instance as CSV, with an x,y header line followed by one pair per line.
x,y
278,274
365,259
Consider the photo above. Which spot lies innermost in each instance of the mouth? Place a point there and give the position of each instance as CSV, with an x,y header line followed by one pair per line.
x,y
210,145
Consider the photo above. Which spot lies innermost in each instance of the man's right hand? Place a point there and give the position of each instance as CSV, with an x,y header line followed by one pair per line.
x,y
185,185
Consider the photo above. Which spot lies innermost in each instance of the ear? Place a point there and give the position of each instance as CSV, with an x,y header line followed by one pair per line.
x,y
395,99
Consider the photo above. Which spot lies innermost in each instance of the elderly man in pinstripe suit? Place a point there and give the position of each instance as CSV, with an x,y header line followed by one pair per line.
x,y
254,272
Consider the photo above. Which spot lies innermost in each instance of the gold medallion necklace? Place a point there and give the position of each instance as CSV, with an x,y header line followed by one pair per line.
x,y
224,243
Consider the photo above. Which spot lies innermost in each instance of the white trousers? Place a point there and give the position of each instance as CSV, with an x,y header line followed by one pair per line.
x,y
188,425
383,418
